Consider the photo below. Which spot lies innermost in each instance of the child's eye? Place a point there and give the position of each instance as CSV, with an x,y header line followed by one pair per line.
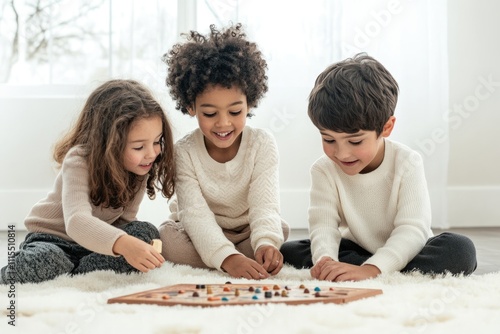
x,y
356,142
235,113
138,148
329,141
208,114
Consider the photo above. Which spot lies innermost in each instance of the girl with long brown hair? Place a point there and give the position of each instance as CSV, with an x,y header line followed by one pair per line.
x,y
120,149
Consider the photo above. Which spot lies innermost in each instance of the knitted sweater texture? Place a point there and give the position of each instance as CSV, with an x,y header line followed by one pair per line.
x,y
386,211
212,196
68,212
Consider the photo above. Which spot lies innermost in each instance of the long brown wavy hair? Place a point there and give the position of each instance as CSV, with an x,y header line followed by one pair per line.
x,y
102,129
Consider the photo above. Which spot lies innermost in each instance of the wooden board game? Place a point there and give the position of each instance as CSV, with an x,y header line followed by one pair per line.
x,y
212,295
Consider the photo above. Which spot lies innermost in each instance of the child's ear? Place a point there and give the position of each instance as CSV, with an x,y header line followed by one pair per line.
x,y
388,126
191,111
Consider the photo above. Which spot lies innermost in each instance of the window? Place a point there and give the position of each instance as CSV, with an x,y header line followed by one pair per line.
x,y
65,42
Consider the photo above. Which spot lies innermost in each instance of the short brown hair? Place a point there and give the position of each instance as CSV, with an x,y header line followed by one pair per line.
x,y
355,94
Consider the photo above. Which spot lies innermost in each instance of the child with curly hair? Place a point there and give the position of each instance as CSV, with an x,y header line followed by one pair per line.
x,y
369,207
120,148
227,212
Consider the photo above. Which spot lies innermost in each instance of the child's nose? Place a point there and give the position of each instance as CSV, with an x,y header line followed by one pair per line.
x,y
223,120
342,153
151,152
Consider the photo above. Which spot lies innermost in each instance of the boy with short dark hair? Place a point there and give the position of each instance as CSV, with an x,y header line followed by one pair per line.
x,y
369,208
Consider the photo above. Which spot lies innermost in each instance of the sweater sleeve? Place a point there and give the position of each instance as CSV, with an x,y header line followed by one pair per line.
x,y
263,197
324,217
195,215
81,225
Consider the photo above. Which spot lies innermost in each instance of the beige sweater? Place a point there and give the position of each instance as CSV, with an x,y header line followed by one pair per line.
x,y
212,196
67,211
386,211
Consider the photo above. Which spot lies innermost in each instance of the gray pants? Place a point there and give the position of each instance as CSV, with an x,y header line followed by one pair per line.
x,y
178,248
43,257
444,253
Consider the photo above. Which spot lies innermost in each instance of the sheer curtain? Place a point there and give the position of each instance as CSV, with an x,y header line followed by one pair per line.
x,y
408,37
299,39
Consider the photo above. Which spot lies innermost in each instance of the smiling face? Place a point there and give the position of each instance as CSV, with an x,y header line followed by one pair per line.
x,y
143,145
356,153
221,114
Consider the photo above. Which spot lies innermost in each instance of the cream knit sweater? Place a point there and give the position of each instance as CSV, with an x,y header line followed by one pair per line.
x,y
67,211
386,211
212,196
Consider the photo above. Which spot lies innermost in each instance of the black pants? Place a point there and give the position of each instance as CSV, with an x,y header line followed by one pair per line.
x,y
43,257
446,252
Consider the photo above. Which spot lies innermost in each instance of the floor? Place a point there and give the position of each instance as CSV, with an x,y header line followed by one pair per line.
x,y
486,240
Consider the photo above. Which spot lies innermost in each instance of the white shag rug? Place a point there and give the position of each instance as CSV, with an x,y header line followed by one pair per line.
x,y
410,303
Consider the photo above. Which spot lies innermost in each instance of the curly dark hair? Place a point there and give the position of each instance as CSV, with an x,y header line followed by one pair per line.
x,y
224,58
355,94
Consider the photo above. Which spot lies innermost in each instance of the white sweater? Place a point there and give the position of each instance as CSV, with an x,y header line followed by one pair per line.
x,y
386,211
211,196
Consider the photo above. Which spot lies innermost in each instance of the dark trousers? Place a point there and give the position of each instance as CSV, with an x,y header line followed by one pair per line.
x,y
43,257
446,252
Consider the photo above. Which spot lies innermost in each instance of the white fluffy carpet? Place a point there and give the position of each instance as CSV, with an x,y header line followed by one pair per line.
x,y
409,304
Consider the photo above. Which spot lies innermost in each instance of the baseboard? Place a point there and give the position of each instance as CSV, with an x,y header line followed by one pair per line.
x,y
474,206
467,207
17,203
294,205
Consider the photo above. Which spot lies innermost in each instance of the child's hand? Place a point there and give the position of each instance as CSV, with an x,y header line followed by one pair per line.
x,y
139,254
330,270
240,266
270,258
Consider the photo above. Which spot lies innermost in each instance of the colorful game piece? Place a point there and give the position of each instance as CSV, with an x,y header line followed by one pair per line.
x,y
215,295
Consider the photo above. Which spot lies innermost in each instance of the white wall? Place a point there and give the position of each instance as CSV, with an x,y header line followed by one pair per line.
x,y
31,123
29,126
474,54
